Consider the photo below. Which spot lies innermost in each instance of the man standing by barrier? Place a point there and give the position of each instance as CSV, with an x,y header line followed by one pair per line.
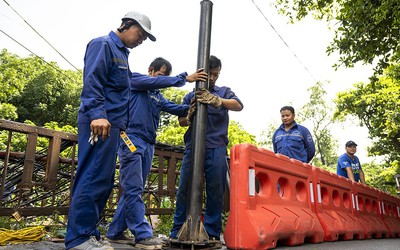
x,y
102,115
349,165
292,139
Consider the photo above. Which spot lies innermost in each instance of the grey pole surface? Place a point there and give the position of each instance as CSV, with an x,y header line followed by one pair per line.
x,y
193,229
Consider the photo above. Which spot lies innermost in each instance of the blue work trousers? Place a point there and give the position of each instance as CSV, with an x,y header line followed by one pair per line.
x,y
215,168
134,169
93,183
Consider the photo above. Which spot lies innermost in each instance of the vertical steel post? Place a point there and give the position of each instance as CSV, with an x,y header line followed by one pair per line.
x,y
193,229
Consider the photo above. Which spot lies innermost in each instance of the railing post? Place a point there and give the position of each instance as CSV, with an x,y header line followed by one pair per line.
x,y
29,162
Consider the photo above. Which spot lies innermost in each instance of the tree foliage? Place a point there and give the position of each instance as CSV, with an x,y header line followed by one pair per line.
x,y
237,135
266,136
380,177
377,106
35,90
50,96
365,31
173,134
175,95
14,75
319,112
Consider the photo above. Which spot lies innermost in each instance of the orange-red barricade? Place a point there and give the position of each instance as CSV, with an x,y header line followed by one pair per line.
x,y
269,201
390,213
335,206
368,211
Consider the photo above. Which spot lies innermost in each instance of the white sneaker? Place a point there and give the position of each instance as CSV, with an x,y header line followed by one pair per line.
x,y
93,244
105,242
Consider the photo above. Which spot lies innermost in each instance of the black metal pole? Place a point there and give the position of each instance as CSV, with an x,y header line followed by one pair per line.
x,y
193,229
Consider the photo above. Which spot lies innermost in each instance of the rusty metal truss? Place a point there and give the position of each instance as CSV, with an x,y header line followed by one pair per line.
x,y
38,164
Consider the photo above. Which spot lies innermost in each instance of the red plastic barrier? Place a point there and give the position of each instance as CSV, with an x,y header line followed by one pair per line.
x,y
368,211
390,213
335,206
269,201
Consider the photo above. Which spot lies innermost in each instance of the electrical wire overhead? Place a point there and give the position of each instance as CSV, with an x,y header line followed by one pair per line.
x,y
40,36
35,54
283,40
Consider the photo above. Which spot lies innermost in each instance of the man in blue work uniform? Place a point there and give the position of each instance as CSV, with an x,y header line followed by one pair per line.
x,y
145,105
348,164
102,115
220,100
292,139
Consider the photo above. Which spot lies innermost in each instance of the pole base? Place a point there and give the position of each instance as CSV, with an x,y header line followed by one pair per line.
x,y
193,232
205,245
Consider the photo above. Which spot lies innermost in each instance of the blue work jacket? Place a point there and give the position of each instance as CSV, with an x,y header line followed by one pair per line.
x,y
146,103
295,143
106,78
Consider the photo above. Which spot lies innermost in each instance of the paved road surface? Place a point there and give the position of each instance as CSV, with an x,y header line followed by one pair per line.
x,y
372,244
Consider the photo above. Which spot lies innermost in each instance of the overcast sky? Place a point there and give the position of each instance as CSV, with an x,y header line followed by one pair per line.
x,y
261,69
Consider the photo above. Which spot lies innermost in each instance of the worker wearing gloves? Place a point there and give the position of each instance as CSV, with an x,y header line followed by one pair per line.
x,y
220,100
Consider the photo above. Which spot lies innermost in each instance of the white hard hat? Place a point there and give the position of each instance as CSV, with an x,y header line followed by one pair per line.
x,y
142,20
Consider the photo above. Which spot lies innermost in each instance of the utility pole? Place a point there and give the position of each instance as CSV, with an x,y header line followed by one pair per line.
x,y
192,231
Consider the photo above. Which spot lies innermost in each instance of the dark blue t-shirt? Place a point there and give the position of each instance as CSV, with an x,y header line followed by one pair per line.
x,y
217,119
345,161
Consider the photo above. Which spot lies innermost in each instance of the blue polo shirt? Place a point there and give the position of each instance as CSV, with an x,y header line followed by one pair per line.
x,y
345,161
146,103
106,78
295,143
217,119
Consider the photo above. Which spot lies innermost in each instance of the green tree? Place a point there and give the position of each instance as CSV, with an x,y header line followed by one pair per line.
x,y
53,95
8,111
377,106
380,177
237,135
175,95
365,31
319,112
266,136
35,90
15,72
173,134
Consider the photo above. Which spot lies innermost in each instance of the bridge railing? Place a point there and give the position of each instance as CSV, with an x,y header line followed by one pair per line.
x,y
37,166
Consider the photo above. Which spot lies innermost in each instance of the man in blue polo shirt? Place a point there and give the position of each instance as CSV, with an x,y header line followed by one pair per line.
x,y
292,139
348,165
220,100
